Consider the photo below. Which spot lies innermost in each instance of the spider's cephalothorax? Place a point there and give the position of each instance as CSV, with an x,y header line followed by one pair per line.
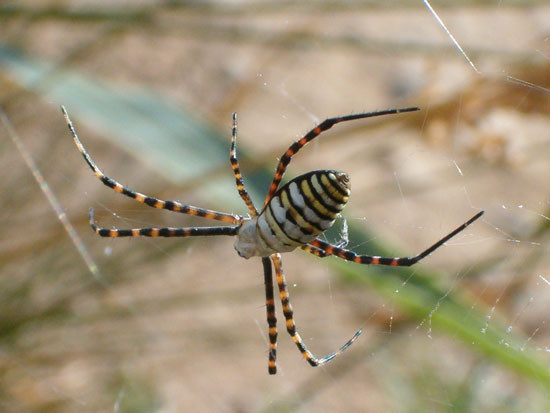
x,y
292,217
297,213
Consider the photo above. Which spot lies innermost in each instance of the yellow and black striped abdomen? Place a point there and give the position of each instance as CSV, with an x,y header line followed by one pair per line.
x,y
303,208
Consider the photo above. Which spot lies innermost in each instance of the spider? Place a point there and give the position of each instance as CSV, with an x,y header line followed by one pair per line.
x,y
293,216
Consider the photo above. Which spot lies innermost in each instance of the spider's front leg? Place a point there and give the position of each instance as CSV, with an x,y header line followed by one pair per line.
x,y
162,231
237,171
174,206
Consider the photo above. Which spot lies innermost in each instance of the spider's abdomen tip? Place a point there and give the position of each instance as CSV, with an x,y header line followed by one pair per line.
x,y
342,180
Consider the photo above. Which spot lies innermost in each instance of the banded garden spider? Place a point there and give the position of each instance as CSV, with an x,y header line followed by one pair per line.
x,y
292,216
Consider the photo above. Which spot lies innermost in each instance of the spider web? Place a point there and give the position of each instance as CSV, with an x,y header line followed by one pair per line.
x,y
180,324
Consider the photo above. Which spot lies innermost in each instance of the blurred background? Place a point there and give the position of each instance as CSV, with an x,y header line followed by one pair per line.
x,y
170,325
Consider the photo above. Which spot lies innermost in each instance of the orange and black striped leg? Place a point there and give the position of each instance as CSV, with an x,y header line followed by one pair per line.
x,y
162,232
291,326
375,260
312,134
271,318
236,170
144,199
315,251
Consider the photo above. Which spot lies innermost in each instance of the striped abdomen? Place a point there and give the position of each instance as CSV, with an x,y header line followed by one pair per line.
x,y
302,209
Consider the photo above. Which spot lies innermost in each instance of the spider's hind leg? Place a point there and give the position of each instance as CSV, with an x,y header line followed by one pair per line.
x,y
291,326
322,249
271,318
314,133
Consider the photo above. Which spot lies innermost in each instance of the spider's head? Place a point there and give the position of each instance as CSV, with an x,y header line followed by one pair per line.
x,y
243,253
246,245
250,244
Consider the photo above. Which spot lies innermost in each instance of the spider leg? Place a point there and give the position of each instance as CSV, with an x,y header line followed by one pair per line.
x,y
291,326
236,170
144,199
163,231
348,255
315,251
341,244
312,134
271,318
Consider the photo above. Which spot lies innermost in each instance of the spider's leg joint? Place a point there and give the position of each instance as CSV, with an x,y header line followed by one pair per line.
x,y
91,221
